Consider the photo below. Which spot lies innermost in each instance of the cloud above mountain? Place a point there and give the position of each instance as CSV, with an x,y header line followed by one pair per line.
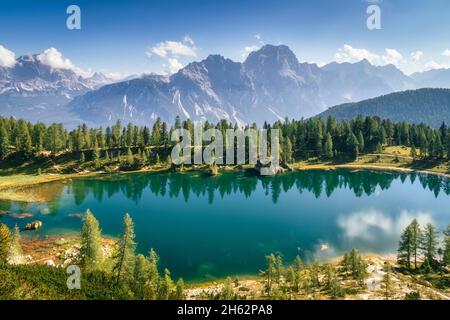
x,y
174,48
350,54
53,58
7,57
171,51
414,62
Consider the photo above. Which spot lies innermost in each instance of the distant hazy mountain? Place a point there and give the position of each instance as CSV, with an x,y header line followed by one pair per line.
x,y
33,90
361,80
439,78
270,85
430,106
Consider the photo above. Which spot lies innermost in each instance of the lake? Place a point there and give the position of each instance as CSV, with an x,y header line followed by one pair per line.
x,y
211,227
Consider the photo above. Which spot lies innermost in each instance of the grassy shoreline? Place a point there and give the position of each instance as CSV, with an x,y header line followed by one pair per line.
x,y
16,187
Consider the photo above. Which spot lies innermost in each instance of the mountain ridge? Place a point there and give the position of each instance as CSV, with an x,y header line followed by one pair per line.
x,y
427,105
271,84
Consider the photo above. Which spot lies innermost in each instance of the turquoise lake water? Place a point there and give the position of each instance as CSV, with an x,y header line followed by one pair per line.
x,y
211,227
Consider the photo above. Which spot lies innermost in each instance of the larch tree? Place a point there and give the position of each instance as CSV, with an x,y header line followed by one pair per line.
x,y
429,244
179,291
91,243
4,142
142,269
166,286
446,249
329,146
15,254
405,248
125,258
386,282
416,233
5,242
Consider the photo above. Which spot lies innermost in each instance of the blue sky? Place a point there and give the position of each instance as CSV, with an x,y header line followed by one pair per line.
x,y
160,36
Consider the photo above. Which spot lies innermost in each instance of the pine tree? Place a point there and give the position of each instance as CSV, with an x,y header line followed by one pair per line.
x,y
130,159
287,150
91,243
413,152
354,266
82,158
332,284
409,246
361,142
270,273
125,258
165,290
429,244
387,281
379,149
329,146
15,254
353,145
448,146
404,255
279,268
416,233
446,251
179,292
95,151
227,292
25,144
142,269
5,241
4,142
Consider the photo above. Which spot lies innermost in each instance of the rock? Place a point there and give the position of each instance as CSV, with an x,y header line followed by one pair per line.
x,y
3,212
50,263
33,225
76,215
45,211
20,215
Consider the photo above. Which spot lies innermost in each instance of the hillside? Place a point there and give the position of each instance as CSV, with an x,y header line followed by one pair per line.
x,y
430,106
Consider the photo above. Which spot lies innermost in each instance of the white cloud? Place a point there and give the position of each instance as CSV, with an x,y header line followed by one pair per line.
x,y
174,48
257,36
446,53
414,62
247,50
349,54
54,59
172,66
416,56
7,57
172,51
373,225
392,56
431,65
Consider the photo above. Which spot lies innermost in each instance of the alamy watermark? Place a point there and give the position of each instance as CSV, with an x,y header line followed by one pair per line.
x,y
235,147
74,278
374,11
73,21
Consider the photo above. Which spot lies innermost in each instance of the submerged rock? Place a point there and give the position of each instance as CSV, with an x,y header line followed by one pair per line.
x,y
20,215
33,225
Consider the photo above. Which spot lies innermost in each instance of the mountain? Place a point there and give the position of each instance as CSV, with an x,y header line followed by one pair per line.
x,y
362,80
438,78
430,106
269,85
35,91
